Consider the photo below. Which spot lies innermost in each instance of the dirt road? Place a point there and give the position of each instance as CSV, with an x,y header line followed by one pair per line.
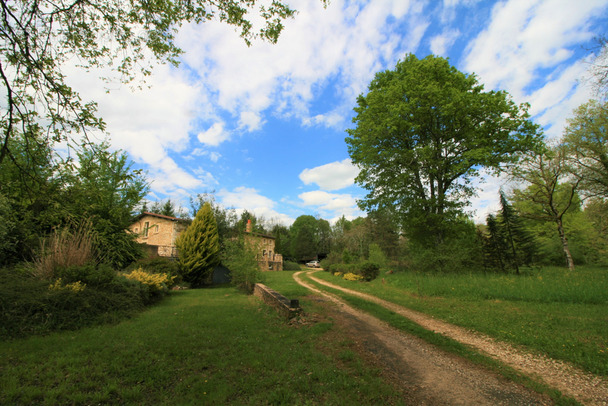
x,y
433,377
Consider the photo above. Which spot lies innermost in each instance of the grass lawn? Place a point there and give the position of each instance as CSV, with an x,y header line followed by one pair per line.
x,y
211,346
560,313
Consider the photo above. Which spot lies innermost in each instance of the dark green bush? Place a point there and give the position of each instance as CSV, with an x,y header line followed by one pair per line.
x,y
30,306
369,270
157,265
290,266
92,275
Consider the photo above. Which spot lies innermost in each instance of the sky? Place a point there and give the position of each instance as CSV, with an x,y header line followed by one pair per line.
x,y
263,127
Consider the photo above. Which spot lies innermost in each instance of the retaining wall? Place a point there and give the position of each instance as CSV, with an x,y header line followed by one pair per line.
x,y
287,308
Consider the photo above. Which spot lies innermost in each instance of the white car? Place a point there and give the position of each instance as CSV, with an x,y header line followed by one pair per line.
x,y
313,264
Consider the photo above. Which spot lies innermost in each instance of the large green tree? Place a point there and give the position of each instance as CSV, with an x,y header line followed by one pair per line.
x,y
304,238
199,248
423,131
586,137
38,38
105,189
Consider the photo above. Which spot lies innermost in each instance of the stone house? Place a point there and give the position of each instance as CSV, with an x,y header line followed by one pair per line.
x,y
158,233
264,246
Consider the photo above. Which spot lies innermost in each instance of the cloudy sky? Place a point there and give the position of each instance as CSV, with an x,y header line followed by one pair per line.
x,y
264,127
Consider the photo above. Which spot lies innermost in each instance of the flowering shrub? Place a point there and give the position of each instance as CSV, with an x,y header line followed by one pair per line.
x,y
74,287
157,282
352,277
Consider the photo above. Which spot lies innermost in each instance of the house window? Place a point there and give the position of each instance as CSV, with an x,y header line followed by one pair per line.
x,y
146,227
156,229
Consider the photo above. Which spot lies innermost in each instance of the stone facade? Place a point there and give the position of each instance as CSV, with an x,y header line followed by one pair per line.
x,y
159,231
264,246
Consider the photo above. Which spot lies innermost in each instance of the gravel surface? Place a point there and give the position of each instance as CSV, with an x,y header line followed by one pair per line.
x,y
434,377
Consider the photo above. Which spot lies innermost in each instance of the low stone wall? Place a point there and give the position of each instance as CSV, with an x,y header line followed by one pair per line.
x,y
287,308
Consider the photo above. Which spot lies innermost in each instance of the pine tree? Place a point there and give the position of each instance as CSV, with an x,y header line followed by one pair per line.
x,y
519,242
199,248
494,244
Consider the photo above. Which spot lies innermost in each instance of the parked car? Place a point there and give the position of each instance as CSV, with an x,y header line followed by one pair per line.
x,y
313,264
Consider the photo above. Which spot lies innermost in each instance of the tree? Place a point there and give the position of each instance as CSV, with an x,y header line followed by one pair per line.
x,y
586,140
423,131
550,190
304,239
599,66
199,248
105,189
39,37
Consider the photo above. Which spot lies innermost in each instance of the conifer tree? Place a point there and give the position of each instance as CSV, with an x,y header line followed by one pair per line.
x,y
199,248
519,242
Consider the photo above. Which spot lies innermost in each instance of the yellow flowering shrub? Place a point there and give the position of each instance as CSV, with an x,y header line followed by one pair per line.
x,y
74,287
352,277
338,274
156,281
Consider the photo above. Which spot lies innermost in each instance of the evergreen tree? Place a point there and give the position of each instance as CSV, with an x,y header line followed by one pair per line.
x,y
519,242
199,248
494,245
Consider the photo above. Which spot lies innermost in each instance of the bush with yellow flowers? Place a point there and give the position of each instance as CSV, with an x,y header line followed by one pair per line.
x,y
72,287
157,282
352,277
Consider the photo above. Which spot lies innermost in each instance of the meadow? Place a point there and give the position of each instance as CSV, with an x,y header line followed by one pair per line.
x,y
551,310
207,346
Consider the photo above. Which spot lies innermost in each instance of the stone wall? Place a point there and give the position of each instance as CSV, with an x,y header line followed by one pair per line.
x,y
287,308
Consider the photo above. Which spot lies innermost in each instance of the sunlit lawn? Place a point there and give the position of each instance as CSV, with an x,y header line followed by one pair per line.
x,y
560,313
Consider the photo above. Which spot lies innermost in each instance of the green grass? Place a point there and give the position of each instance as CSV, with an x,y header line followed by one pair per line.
x,y
212,346
559,313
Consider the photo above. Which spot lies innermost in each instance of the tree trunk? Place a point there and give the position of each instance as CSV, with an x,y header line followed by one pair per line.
x,y
562,236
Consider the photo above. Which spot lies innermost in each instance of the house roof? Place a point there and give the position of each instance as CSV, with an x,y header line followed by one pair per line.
x,y
260,235
162,216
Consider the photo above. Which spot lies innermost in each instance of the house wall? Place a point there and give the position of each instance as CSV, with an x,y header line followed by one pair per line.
x,y
161,234
268,259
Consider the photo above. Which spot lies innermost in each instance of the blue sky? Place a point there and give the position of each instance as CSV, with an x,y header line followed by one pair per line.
x,y
264,126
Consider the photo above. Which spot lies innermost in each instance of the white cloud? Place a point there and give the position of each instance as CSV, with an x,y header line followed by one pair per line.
x,y
330,204
344,43
214,136
524,37
332,176
244,198
250,121
441,43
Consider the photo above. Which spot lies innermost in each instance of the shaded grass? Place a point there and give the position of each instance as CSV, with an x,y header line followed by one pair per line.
x,y
553,311
213,346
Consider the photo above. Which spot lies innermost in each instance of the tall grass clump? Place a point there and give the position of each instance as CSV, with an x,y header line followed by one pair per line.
x,y
73,245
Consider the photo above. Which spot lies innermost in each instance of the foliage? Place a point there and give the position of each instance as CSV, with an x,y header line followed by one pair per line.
x,y
156,265
423,131
107,190
508,244
369,270
586,139
39,38
199,248
73,287
290,266
68,246
81,296
304,238
241,260
155,284
352,277
460,250
226,219
376,255
551,192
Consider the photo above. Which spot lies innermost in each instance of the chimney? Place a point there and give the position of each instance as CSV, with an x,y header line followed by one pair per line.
x,y
248,228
